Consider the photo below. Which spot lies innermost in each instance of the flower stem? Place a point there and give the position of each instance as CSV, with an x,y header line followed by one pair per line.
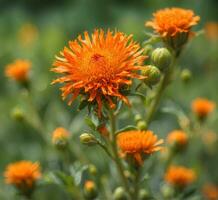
x,y
159,91
117,160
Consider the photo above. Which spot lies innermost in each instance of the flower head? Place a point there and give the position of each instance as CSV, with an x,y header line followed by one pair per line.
x,y
18,70
99,67
177,136
22,174
180,176
171,21
136,142
202,107
210,191
60,133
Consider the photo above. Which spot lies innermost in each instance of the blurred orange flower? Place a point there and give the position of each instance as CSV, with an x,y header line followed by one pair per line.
x,y
202,107
59,134
18,70
210,191
171,21
211,30
89,185
136,143
177,136
22,174
99,67
180,176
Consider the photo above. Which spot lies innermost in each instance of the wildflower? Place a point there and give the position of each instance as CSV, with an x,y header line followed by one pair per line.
x,y
23,175
211,30
99,67
177,137
210,192
180,176
202,107
60,137
173,25
136,143
18,70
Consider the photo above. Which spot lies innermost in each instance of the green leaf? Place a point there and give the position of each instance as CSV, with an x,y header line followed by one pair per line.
x,y
126,128
90,123
83,104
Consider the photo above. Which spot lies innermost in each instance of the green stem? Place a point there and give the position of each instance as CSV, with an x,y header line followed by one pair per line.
x,y
136,184
159,91
117,160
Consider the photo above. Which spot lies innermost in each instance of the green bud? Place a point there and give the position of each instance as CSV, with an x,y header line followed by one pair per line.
x,y
152,75
92,170
148,49
141,125
17,114
144,194
137,117
119,194
88,139
186,75
167,191
162,58
61,143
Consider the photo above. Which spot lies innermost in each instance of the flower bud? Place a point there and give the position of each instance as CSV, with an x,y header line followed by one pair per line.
x,y
141,125
90,190
60,138
17,114
152,75
88,139
137,117
148,49
167,191
162,58
144,194
92,170
186,75
119,194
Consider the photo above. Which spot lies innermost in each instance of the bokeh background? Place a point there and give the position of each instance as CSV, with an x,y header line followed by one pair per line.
x,y
38,30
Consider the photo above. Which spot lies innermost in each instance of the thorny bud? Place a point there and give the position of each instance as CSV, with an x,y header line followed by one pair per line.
x,y
162,58
152,75
88,139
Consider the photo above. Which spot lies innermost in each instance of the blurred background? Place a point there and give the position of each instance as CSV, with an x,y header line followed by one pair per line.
x,y
37,30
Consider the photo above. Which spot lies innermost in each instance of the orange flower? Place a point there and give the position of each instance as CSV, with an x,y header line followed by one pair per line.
x,y
18,70
59,133
177,136
211,30
89,185
136,143
171,21
99,68
202,107
210,192
22,174
180,176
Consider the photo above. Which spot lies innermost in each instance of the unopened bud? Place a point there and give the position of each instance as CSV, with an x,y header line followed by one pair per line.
x,y
162,58
88,139
90,190
152,75
148,49
137,117
167,191
141,125
186,75
119,194
144,194
60,138
92,170
17,114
